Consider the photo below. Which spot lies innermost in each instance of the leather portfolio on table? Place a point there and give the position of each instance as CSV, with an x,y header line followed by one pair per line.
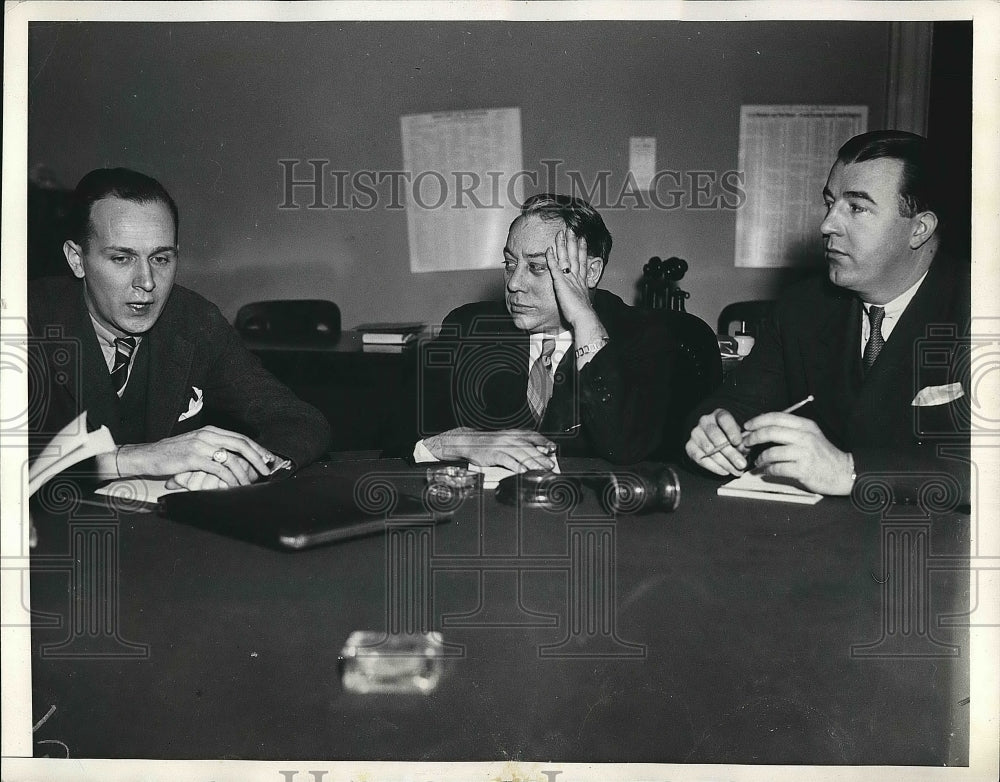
x,y
315,506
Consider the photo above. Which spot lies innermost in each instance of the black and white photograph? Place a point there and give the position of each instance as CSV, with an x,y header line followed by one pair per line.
x,y
500,392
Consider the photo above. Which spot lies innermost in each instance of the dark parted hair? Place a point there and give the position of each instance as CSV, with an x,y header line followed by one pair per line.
x,y
921,186
578,215
120,183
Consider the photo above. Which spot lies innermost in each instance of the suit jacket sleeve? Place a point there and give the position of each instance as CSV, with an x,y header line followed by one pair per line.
x,y
237,386
426,405
625,390
758,385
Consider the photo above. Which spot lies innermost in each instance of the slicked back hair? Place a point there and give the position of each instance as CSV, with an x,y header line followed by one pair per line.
x,y
120,183
921,186
578,215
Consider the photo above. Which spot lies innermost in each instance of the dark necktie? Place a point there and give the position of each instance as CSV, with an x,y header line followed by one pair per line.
x,y
875,341
124,347
540,379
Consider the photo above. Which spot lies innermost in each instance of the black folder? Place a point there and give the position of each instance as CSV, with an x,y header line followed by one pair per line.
x,y
311,508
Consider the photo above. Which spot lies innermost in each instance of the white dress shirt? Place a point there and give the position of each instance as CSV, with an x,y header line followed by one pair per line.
x,y
893,311
564,343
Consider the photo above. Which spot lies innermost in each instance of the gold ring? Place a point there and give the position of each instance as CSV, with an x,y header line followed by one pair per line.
x,y
220,456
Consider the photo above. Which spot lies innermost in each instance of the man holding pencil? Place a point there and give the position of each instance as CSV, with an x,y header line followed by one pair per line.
x,y
843,358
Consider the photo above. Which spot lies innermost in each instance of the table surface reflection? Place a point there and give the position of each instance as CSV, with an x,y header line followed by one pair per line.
x,y
729,631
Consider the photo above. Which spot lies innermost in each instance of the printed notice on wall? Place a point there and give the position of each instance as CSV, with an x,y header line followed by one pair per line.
x,y
464,188
785,154
642,160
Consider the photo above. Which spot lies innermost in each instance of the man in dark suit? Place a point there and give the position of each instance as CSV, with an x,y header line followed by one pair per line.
x,y
149,358
857,342
557,363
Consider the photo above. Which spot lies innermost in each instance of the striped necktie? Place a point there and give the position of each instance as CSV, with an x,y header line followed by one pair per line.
x,y
124,347
540,379
875,341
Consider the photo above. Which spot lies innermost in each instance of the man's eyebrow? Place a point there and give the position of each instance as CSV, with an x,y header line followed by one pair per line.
x,y
130,251
859,194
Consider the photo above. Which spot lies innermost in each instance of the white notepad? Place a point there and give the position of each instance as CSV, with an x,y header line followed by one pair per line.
x,y
760,487
137,490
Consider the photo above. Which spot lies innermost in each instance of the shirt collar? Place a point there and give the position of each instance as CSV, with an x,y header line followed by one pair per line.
x,y
564,340
893,309
105,335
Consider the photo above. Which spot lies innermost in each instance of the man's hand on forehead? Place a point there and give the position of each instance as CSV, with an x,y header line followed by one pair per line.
x,y
570,268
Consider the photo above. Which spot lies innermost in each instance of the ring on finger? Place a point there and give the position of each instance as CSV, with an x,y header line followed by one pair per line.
x,y
220,456
566,270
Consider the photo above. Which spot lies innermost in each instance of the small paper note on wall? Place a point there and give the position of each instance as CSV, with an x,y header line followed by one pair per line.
x,y
642,160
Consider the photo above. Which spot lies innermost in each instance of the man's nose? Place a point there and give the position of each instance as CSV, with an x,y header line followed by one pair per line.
x,y
143,277
515,280
831,223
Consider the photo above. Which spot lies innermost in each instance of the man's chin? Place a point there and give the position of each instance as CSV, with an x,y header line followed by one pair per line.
x,y
137,325
522,321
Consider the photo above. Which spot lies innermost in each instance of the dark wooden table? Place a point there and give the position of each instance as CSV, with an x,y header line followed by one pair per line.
x,y
729,631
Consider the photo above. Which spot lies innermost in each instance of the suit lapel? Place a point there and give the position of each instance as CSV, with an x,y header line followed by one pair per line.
x,y
837,374
562,413
170,357
97,394
892,376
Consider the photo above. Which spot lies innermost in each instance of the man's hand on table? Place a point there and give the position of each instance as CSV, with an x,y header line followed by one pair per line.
x,y
799,450
716,429
189,460
516,449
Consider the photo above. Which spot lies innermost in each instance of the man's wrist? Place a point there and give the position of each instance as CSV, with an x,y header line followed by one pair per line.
x,y
587,329
850,473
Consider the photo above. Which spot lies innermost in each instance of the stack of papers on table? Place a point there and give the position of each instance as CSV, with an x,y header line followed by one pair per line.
x,y
389,333
755,486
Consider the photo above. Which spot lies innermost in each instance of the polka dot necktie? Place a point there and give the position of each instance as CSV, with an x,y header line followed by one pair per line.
x,y
875,341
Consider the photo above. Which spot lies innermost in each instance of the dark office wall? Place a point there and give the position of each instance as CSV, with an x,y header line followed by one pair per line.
x,y
210,108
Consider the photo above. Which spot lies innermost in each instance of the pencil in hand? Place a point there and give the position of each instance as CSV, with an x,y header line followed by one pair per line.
x,y
790,409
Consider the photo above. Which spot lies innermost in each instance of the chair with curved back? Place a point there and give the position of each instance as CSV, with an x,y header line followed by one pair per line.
x,y
754,314
303,321
697,373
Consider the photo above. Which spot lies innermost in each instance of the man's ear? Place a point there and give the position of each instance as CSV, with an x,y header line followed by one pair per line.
x,y
595,270
924,226
74,257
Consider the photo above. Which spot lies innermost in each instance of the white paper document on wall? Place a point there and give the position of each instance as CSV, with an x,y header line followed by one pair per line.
x,y
642,160
785,155
464,186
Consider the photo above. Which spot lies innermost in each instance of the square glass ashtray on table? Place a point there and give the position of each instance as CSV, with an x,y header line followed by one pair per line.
x,y
377,662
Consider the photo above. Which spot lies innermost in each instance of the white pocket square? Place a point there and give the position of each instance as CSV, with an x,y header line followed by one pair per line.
x,y
938,395
194,405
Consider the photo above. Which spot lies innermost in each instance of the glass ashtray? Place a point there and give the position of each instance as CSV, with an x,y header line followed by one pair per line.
x,y
449,484
377,662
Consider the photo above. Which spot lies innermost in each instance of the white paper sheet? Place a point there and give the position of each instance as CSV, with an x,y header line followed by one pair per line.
x,y
758,487
137,489
785,154
642,160
71,445
464,190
